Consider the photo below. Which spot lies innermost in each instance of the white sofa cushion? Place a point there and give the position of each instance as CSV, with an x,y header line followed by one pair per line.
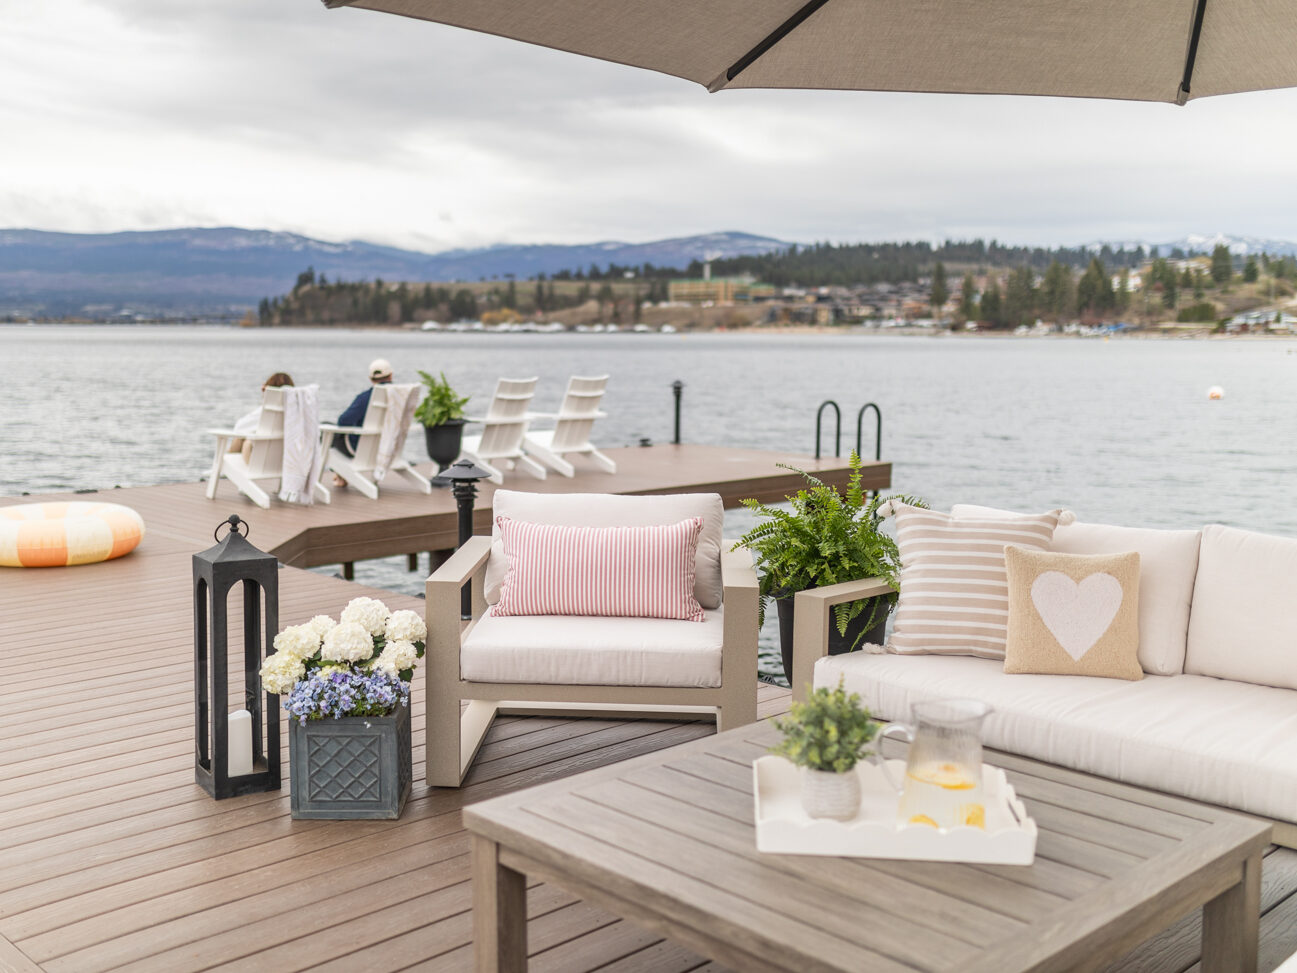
x,y
1168,563
575,651
1243,625
609,510
1227,743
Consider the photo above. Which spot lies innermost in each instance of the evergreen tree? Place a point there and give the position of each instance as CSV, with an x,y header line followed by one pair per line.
x,y
1222,264
1250,270
940,291
1020,297
1094,293
968,298
463,306
1199,285
511,295
1123,290
1056,291
991,310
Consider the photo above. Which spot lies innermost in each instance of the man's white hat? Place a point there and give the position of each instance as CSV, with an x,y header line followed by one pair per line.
x,y
380,368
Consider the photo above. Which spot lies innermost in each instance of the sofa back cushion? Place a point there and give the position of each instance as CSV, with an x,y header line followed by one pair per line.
x,y
1168,563
607,510
954,593
1243,625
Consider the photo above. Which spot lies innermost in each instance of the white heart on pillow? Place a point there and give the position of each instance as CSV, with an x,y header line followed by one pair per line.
x,y
1076,614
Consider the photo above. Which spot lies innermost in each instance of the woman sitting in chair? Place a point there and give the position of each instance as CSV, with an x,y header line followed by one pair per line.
x,y
247,424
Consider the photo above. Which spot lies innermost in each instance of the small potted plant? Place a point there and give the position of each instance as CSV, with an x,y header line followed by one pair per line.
x,y
442,414
827,736
827,538
347,692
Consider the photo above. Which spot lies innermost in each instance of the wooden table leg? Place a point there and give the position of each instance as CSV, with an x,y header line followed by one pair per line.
x,y
499,912
1231,924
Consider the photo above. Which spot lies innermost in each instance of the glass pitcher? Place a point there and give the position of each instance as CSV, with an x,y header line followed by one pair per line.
x,y
943,772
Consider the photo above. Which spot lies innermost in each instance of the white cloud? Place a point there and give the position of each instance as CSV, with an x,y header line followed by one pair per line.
x,y
348,124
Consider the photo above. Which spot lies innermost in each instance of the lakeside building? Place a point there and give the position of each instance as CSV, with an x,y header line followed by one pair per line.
x,y
718,290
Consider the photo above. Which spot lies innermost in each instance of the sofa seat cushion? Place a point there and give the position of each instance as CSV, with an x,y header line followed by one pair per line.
x,y
572,650
1214,740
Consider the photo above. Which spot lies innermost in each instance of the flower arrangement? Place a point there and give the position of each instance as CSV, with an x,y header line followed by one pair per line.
x,y
360,665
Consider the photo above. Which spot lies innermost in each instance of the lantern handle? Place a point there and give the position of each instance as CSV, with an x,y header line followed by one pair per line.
x,y
234,523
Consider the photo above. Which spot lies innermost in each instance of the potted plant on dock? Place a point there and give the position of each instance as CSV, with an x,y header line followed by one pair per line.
x,y
442,414
827,736
827,538
347,689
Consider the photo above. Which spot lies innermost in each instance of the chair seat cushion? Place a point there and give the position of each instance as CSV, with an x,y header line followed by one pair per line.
x,y
1214,740
578,651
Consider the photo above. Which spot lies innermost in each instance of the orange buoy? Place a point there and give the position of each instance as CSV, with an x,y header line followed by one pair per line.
x,y
48,535
1215,392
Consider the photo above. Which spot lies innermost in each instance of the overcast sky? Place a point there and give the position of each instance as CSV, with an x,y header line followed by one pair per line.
x,y
348,124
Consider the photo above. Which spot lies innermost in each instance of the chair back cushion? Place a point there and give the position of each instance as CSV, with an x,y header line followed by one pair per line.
x,y
1242,625
632,572
608,510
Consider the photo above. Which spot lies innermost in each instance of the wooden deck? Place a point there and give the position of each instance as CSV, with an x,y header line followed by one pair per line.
x,y
111,857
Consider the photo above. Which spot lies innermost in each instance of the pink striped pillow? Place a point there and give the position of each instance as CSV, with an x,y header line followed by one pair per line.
x,y
637,572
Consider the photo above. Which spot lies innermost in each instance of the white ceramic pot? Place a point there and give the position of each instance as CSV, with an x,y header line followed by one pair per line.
x,y
826,794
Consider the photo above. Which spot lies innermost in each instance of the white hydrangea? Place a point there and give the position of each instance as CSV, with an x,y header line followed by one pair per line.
x,y
406,626
280,672
298,640
386,666
347,642
321,625
402,653
370,613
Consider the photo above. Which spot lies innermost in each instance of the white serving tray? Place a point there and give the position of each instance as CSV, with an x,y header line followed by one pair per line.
x,y
784,827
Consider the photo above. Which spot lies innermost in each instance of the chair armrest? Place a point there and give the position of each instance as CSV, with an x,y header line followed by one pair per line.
x,y
741,598
442,605
224,433
812,616
348,430
462,565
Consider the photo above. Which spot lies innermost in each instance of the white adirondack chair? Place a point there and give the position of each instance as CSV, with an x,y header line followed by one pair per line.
x,y
265,460
571,433
363,470
499,447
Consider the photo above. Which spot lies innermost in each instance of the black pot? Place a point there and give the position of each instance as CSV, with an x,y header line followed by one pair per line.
x,y
444,441
838,643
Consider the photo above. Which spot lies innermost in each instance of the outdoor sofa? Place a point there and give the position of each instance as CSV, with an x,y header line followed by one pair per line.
x,y
1214,717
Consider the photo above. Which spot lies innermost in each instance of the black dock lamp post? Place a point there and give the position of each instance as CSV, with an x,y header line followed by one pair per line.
x,y
678,389
230,755
463,477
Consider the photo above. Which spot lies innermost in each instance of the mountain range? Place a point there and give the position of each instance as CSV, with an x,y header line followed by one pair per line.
x,y
222,272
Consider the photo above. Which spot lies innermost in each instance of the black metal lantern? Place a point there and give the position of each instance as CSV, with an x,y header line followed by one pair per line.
x,y
463,477
216,571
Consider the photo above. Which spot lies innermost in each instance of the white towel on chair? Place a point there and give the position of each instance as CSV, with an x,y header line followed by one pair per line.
x,y
401,403
301,444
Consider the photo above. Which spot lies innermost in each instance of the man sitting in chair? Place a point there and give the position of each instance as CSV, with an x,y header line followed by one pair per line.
x,y
380,373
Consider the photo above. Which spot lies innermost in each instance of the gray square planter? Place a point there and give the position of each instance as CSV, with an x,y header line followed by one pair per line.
x,y
352,767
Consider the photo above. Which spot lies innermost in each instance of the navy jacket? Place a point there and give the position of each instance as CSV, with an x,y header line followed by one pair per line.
x,y
354,415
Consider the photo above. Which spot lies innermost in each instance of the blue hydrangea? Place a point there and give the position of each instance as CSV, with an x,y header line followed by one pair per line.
x,y
346,693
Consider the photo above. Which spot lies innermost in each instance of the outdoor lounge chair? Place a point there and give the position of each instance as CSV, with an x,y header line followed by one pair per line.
x,y
374,458
264,460
571,433
584,665
499,447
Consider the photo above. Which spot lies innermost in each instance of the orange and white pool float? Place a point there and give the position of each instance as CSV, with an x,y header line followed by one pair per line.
x,y
51,535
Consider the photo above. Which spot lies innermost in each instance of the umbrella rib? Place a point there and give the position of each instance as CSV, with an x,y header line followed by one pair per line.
x,y
773,38
1183,94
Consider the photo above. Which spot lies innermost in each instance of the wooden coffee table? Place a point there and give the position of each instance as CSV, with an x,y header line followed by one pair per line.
x,y
667,841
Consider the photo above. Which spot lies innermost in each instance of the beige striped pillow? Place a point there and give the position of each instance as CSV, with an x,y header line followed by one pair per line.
x,y
954,590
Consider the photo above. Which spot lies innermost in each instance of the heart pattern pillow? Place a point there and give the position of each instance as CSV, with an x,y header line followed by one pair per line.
x,y
1073,614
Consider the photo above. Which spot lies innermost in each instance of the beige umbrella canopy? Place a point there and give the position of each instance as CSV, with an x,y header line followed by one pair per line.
x,y
1144,50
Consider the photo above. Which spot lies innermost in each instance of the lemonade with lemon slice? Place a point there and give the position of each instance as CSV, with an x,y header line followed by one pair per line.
x,y
941,794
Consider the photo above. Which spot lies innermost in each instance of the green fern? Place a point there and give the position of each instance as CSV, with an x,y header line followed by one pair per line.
x,y
827,538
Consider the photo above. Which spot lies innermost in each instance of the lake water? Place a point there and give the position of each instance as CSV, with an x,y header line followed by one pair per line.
x,y
1120,431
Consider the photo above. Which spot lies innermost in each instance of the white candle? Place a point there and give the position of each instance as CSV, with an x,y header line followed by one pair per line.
x,y
240,743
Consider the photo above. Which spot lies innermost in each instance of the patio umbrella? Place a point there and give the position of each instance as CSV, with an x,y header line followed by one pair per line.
x,y
1144,50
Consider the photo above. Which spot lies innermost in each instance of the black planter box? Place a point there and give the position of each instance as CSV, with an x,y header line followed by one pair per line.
x,y
352,767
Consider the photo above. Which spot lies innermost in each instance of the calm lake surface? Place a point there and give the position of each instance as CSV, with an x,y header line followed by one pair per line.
x,y
1119,431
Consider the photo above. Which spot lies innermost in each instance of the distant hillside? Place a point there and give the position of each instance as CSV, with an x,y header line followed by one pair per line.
x,y
226,271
